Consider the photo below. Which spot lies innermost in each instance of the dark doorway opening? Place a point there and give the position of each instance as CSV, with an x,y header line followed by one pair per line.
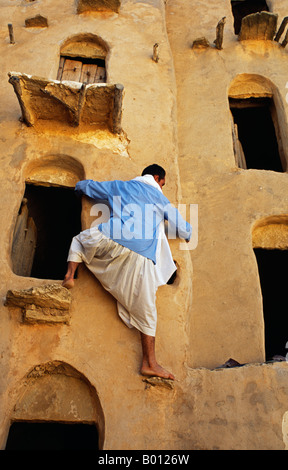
x,y
52,436
243,8
272,265
56,216
256,132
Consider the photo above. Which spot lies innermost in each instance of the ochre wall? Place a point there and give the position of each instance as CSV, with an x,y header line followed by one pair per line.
x,y
175,113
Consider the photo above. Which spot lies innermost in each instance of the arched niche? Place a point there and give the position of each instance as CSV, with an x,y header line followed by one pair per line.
x,y
259,124
55,392
83,59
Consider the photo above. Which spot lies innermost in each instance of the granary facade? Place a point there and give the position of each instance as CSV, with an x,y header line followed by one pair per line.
x,y
98,90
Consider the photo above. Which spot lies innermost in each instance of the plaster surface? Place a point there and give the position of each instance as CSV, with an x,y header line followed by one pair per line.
x,y
175,112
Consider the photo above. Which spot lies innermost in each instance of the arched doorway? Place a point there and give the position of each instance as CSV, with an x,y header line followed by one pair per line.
x,y
259,127
58,409
49,216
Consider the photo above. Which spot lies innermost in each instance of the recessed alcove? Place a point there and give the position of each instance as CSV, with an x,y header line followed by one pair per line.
x,y
83,59
57,409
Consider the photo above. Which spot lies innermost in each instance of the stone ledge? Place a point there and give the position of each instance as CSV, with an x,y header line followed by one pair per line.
x,y
44,304
98,105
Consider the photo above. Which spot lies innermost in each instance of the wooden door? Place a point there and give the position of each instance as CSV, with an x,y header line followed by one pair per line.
x,y
24,242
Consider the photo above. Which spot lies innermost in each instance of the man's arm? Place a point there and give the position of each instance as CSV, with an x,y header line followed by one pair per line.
x,y
94,189
176,224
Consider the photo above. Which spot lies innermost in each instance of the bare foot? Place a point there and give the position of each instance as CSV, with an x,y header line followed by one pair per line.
x,y
156,371
68,282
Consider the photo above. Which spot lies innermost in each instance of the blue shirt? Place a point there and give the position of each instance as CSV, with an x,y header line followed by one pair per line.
x,y
136,211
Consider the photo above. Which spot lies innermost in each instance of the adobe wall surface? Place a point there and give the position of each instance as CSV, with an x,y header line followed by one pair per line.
x,y
175,113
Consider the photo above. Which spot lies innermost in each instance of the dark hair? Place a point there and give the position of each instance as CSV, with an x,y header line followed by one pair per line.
x,y
154,170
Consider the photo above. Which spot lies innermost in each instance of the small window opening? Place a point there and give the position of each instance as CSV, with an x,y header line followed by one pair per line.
x,y
256,123
243,8
55,215
82,69
271,265
52,436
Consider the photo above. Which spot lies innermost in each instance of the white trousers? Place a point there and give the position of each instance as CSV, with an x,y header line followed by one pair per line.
x,y
128,276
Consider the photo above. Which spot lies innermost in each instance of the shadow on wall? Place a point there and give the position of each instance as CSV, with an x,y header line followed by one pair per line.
x,y
48,218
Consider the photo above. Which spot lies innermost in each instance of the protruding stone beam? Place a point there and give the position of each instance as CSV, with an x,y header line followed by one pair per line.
x,y
159,382
44,304
258,26
98,104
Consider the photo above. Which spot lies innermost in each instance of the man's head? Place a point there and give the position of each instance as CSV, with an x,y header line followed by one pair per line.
x,y
157,172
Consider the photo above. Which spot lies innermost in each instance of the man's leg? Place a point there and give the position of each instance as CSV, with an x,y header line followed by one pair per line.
x,y
69,277
149,364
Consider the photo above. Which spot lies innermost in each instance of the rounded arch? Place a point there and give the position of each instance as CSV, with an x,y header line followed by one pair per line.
x,y
56,392
85,45
54,170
